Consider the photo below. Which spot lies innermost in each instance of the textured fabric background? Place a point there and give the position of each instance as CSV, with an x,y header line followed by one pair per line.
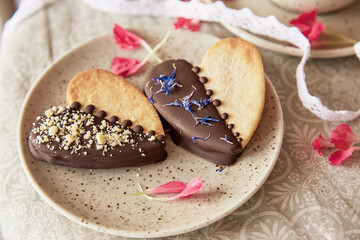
x,y
304,197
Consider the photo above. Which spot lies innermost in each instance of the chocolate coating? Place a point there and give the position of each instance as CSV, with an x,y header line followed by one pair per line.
x,y
138,129
224,116
151,133
196,69
203,80
216,102
75,105
183,125
101,114
138,151
231,126
126,123
89,109
209,92
113,119
161,138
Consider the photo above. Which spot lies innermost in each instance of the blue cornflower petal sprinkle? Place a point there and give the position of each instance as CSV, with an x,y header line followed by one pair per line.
x,y
205,120
167,84
220,169
201,103
194,138
225,139
175,103
190,95
151,99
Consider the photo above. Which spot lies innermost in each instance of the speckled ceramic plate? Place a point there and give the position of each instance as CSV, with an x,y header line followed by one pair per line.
x,y
93,197
344,21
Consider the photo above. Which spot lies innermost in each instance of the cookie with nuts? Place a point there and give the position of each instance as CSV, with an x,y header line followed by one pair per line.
x,y
73,137
108,123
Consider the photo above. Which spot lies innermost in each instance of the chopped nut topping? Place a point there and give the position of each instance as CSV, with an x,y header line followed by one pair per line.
x,y
152,138
49,113
100,138
53,130
76,131
69,138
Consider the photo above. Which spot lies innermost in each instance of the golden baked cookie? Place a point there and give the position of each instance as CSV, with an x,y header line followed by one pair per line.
x,y
235,74
114,95
214,108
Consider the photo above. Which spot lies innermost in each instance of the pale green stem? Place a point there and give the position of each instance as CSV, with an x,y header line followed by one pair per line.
x,y
152,52
152,198
345,39
122,195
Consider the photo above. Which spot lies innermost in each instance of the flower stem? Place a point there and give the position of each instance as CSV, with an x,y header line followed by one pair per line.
x,y
152,52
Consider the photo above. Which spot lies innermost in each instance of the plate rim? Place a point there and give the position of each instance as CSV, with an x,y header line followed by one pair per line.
x,y
292,51
121,232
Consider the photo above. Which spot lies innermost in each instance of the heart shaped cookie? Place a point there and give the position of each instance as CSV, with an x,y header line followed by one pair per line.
x,y
114,95
82,137
213,109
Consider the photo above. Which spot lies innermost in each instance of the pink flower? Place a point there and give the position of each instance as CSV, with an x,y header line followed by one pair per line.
x,y
342,136
321,143
308,25
125,38
343,139
170,187
126,67
188,23
194,186
340,156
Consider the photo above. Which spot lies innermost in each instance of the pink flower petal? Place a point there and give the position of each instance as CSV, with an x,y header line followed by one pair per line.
x,y
125,38
170,187
126,67
342,136
193,187
308,25
308,18
340,156
192,24
315,31
321,143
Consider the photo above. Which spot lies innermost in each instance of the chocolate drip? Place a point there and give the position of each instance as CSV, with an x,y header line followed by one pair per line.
x,y
196,69
73,138
75,105
113,119
101,114
187,126
89,109
216,102
224,116
126,123
203,80
209,92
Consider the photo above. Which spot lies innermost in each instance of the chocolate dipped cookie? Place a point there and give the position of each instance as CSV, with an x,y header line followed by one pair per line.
x,y
72,137
214,108
114,96
108,123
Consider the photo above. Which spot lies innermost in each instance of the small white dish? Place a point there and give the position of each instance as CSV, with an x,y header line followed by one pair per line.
x,y
93,198
323,6
344,21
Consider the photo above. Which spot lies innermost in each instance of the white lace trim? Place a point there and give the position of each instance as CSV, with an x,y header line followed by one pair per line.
x,y
218,12
243,18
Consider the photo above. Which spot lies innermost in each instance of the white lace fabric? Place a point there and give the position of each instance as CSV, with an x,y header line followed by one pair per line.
x,y
243,18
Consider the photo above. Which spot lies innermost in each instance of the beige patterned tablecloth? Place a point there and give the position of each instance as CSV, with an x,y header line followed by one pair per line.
x,y
304,197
